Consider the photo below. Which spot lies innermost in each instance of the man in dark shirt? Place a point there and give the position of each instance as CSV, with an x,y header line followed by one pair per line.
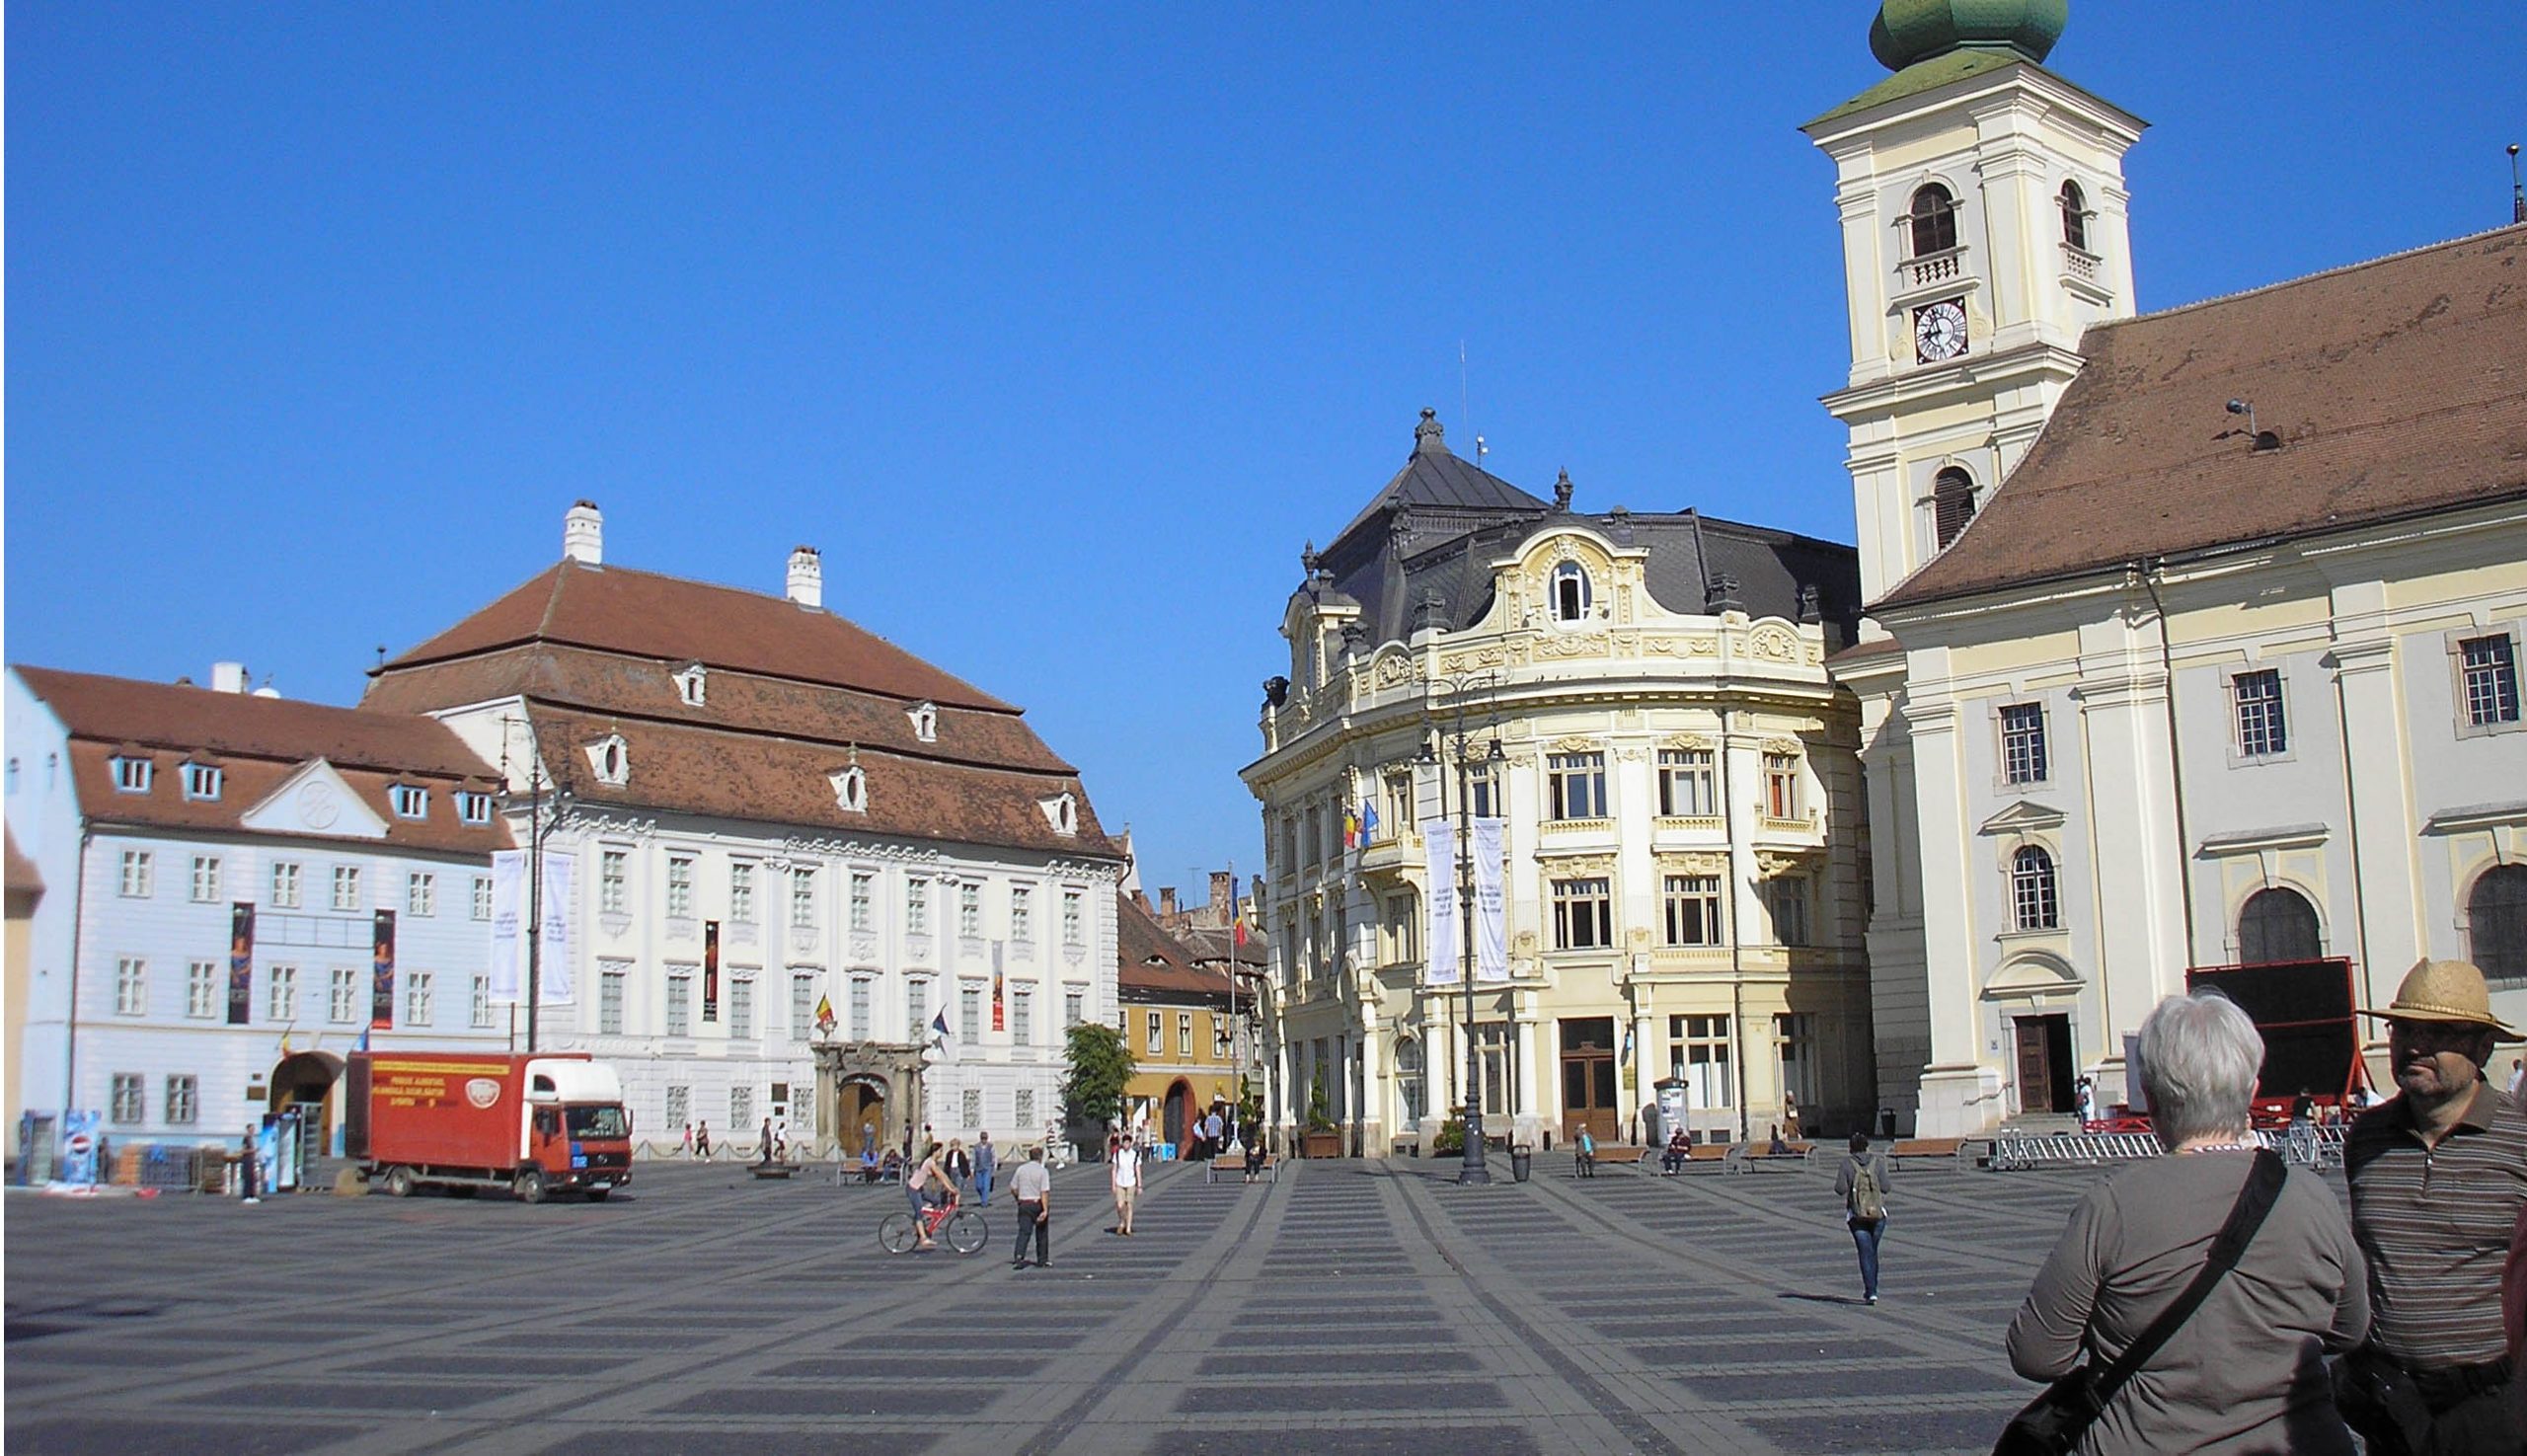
x,y
2439,1175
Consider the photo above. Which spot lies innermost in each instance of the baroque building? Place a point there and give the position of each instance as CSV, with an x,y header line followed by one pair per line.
x,y
2193,635
1679,784
809,877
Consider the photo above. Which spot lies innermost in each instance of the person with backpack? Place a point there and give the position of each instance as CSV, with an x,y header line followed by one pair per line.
x,y
1863,1187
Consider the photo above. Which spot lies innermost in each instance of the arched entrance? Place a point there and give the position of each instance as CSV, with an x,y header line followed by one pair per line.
x,y
2278,924
862,1122
1180,1114
305,1080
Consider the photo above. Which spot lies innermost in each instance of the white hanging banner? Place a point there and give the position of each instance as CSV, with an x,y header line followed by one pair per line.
x,y
1490,932
553,960
509,915
1441,839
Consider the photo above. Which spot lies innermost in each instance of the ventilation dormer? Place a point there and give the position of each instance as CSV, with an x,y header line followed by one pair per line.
x,y
1061,811
610,759
850,789
692,683
924,722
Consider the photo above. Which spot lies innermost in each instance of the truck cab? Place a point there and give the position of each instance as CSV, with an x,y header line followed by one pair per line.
x,y
578,1134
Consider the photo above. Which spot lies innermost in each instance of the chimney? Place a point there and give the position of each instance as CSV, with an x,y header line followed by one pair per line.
x,y
584,534
806,584
1165,901
228,678
1223,890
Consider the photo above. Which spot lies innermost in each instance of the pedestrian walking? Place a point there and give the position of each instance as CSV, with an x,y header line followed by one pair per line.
x,y
1790,1124
1033,1187
2234,1368
702,1139
986,1163
764,1149
781,1139
1862,1186
2439,1175
960,1167
688,1139
1214,1133
2084,1099
2518,1078
1124,1170
1587,1153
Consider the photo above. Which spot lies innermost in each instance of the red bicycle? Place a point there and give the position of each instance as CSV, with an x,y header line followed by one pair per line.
x,y
966,1231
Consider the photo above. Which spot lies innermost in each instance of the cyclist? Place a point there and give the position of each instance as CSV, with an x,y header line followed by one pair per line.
x,y
935,1193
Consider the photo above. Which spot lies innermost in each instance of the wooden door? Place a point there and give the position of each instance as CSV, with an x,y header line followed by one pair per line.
x,y
1588,1079
2041,1067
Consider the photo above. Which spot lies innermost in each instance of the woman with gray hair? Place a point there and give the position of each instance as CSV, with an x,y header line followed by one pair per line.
x,y
2246,1371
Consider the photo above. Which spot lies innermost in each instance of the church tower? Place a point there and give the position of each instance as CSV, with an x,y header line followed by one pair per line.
x,y
1983,218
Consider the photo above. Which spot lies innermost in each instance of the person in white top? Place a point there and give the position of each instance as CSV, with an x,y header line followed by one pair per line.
x,y
1125,1171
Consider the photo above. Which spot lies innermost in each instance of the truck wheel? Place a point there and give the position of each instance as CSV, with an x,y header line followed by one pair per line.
x,y
529,1186
399,1182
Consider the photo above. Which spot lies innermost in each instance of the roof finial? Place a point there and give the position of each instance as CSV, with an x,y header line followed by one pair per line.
x,y
1561,491
1310,560
1430,437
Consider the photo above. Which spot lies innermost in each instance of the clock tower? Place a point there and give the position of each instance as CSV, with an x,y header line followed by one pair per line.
x,y
1982,207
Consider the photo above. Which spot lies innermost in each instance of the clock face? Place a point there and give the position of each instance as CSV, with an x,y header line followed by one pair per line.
x,y
1939,330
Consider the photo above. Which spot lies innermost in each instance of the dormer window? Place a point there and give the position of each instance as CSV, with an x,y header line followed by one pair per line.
x,y
850,789
202,781
473,806
411,802
689,684
133,775
2075,216
924,722
1932,220
1571,592
610,760
1951,504
1062,813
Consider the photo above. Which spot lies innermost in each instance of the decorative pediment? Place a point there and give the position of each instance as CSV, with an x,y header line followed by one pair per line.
x,y
1566,866
1688,742
1714,863
1575,745
2033,973
2257,841
315,800
2025,816
1789,748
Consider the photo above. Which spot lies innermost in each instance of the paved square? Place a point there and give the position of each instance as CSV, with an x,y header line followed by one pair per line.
x,y
1351,1307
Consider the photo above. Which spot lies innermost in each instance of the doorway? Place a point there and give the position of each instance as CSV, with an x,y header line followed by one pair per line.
x,y
305,1081
2044,1063
1177,1119
863,1115
1589,1078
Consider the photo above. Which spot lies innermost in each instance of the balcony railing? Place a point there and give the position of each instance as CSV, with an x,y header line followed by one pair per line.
x,y
1933,268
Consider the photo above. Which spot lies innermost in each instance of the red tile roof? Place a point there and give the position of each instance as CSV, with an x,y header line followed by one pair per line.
x,y
24,877
1150,964
2396,387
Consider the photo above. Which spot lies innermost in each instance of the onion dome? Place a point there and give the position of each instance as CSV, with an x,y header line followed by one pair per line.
x,y
1907,32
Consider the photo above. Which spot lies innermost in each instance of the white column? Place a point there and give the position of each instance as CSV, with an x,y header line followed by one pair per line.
x,y
1961,1089
2387,936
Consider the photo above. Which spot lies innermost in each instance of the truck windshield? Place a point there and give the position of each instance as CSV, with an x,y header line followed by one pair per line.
x,y
606,1121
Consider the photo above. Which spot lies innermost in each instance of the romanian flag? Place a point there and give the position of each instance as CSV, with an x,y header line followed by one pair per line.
x,y
1350,828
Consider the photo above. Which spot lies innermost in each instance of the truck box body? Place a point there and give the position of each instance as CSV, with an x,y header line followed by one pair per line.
x,y
425,1117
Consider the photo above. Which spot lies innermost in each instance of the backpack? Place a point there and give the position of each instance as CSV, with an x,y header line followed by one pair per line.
x,y
1868,1200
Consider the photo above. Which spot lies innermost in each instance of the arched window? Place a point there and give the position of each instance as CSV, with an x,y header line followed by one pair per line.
x,y
2032,899
2277,925
1934,220
2075,216
1571,592
2497,925
1951,504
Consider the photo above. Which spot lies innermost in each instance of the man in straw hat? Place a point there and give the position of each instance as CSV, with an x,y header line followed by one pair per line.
x,y
2438,1174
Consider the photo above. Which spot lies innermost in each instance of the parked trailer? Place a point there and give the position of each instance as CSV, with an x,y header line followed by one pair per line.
x,y
553,1122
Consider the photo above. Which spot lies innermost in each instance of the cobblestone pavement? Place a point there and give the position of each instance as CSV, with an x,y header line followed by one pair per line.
x,y
1351,1307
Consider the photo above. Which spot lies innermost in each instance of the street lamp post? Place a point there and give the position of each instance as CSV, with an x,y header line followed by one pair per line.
x,y
539,827
1455,743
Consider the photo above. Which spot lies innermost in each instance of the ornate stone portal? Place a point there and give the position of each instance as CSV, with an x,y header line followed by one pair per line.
x,y
888,1072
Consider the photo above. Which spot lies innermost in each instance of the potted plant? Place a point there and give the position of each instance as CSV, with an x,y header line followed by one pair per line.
x,y
1320,1140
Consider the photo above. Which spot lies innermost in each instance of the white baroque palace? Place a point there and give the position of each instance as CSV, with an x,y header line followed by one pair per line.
x,y
766,811
1680,787
2194,636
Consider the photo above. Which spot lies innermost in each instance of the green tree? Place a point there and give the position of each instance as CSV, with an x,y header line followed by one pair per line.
x,y
1320,1113
1099,1063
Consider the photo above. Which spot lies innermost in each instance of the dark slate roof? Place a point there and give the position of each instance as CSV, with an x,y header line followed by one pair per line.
x,y
1433,476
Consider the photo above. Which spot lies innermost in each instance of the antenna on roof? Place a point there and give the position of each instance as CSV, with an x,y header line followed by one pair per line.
x,y
1465,412
2518,199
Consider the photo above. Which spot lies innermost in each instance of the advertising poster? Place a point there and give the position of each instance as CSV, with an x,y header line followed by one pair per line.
x,y
1491,937
1439,837
553,974
381,980
80,1130
710,971
241,962
999,989
508,911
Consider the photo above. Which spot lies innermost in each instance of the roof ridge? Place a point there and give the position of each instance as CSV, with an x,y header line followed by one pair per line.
x,y
1063,768
2319,275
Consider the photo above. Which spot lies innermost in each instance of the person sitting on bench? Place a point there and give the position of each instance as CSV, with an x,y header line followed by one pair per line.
x,y
1254,1152
1679,1148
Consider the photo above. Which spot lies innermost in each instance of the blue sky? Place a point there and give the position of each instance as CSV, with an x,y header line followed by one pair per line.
x,y
1059,329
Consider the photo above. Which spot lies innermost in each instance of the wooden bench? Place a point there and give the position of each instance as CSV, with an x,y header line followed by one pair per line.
x,y
775,1170
1620,1156
1220,1169
1747,1157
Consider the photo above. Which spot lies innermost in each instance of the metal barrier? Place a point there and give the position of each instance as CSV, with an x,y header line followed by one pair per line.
x,y
2317,1147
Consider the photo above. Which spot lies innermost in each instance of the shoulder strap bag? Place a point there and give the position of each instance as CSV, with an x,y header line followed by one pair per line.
x,y
2053,1424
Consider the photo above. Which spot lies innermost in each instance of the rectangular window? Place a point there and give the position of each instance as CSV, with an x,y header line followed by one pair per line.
x,y
916,907
1399,932
2262,731
1685,784
473,806
482,897
1796,1032
411,802
861,1019
1582,919
740,1109
679,1003
802,1005
1074,1007
184,1099
970,1011
1183,1034
1022,1016
1789,898
969,911
281,992
613,873
205,880
1394,807
202,781
917,1010
802,898
341,1006
201,988
1157,1032
131,1099
1577,782
1025,1109
1692,903
1021,914
973,1106
481,1008
420,893
138,875
132,775
679,1105
131,986
741,1008
347,887
609,1003
285,880
1482,793
679,887
2490,668
1781,798
1074,918
2023,758
1697,1051
864,902
741,893
417,1007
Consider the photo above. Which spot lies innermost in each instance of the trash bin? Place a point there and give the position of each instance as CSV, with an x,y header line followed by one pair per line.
x,y
1521,1157
1886,1121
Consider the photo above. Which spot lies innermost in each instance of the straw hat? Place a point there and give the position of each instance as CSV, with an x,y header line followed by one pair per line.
x,y
2445,991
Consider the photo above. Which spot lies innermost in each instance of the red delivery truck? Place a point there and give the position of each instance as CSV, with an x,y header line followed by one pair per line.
x,y
550,1123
